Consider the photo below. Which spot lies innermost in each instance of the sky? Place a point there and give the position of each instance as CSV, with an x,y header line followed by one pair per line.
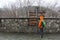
x,y
34,2
6,2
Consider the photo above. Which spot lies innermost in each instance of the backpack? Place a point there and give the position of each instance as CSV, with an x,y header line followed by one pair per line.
x,y
43,23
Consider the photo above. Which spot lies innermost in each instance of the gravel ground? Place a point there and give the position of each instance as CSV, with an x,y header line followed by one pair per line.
x,y
20,36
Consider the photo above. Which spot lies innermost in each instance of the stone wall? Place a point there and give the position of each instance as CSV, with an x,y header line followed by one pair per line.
x,y
18,25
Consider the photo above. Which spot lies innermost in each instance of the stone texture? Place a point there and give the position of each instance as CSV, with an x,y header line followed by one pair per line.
x,y
19,25
10,25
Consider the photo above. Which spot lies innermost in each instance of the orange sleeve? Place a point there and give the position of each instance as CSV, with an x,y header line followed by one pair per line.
x,y
40,24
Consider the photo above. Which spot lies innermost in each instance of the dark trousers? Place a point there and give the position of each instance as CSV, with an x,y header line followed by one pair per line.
x,y
41,32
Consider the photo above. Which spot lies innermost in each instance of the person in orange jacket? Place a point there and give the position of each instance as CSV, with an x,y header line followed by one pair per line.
x,y
40,25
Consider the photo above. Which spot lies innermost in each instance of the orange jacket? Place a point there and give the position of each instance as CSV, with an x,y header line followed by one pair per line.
x,y
40,21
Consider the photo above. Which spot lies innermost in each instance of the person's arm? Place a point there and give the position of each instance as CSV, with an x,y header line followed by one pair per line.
x,y
40,24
